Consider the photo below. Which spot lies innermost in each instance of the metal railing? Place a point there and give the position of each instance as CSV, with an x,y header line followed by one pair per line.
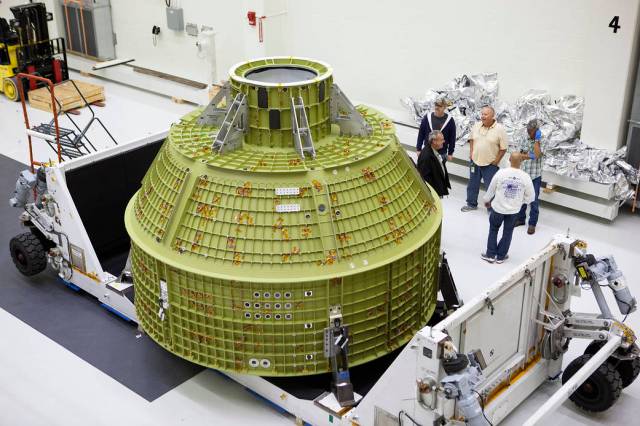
x,y
73,142
48,83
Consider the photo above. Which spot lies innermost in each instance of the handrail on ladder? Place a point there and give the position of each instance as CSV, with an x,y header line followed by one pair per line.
x,y
20,77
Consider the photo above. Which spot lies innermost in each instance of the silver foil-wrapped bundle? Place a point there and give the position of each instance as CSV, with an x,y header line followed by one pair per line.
x,y
565,117
581,162
632,174
466,95
560,122
420,108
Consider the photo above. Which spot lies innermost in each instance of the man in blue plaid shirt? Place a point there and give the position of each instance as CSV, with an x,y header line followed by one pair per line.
x,y
531,153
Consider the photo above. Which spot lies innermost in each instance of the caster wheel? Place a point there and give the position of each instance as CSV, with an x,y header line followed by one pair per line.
x,y
28,254
629,369
600,391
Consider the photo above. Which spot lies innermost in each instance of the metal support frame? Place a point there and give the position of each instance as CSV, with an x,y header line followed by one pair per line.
x,y
59,224
446,285
213,114
346,116
233,127
336,344
451,300
300,128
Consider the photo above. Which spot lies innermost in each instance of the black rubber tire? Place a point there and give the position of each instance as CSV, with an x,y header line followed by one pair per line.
x,y
28,254
600,391
594,347
629,369
453,366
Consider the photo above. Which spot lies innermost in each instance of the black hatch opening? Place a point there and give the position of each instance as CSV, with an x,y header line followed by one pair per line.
x,y
101,191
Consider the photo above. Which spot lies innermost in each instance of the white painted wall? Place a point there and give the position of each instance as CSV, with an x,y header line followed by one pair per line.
x,y
176,52
385,50
409,46
610,73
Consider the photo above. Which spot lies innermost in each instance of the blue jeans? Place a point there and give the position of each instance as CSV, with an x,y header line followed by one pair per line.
x,y
496,220
533,213
476,174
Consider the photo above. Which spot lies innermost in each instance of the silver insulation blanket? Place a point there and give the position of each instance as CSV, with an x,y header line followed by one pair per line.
x,y
560,122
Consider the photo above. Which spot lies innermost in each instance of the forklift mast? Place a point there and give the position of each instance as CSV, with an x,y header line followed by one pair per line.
x,y
30,23
36,53
7,35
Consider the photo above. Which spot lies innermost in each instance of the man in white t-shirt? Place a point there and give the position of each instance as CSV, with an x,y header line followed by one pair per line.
x,y
510,188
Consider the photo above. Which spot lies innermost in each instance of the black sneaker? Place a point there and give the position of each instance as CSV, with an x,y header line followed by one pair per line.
x,y
468,208
518,223
502,260
487,258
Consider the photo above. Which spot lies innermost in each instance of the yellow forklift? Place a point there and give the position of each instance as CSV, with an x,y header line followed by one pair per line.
x,y
25,47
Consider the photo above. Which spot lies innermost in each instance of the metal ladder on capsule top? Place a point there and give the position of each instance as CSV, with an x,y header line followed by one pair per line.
x,y
300,128
229,136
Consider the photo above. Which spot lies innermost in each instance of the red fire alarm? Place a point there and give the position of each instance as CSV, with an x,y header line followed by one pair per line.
x,y
251,16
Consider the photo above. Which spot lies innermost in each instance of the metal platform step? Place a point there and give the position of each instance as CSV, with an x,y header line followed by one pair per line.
x,y
70,142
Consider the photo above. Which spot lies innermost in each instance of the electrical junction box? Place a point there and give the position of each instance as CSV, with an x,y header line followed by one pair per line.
x,y
191,29
175,19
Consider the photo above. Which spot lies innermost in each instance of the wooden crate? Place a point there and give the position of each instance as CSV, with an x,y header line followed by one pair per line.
x,y
67,95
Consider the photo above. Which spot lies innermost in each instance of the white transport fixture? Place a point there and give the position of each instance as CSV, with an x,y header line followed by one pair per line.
x,y
76,222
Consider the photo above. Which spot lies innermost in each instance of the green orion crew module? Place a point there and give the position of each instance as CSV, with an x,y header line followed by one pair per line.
x,y
275,207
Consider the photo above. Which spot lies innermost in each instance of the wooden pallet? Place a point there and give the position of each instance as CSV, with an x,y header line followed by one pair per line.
x,y
165,76
67,95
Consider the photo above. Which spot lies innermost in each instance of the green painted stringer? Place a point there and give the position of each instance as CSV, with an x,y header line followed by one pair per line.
x,y
251,274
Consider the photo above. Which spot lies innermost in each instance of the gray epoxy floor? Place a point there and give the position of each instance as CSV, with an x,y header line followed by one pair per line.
x,y
43,383
76,321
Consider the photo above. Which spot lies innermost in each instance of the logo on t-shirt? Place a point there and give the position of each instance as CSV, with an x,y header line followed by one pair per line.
x,y
512,187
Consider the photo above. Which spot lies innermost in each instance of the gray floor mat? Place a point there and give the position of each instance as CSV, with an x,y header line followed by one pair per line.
x,y
76,321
